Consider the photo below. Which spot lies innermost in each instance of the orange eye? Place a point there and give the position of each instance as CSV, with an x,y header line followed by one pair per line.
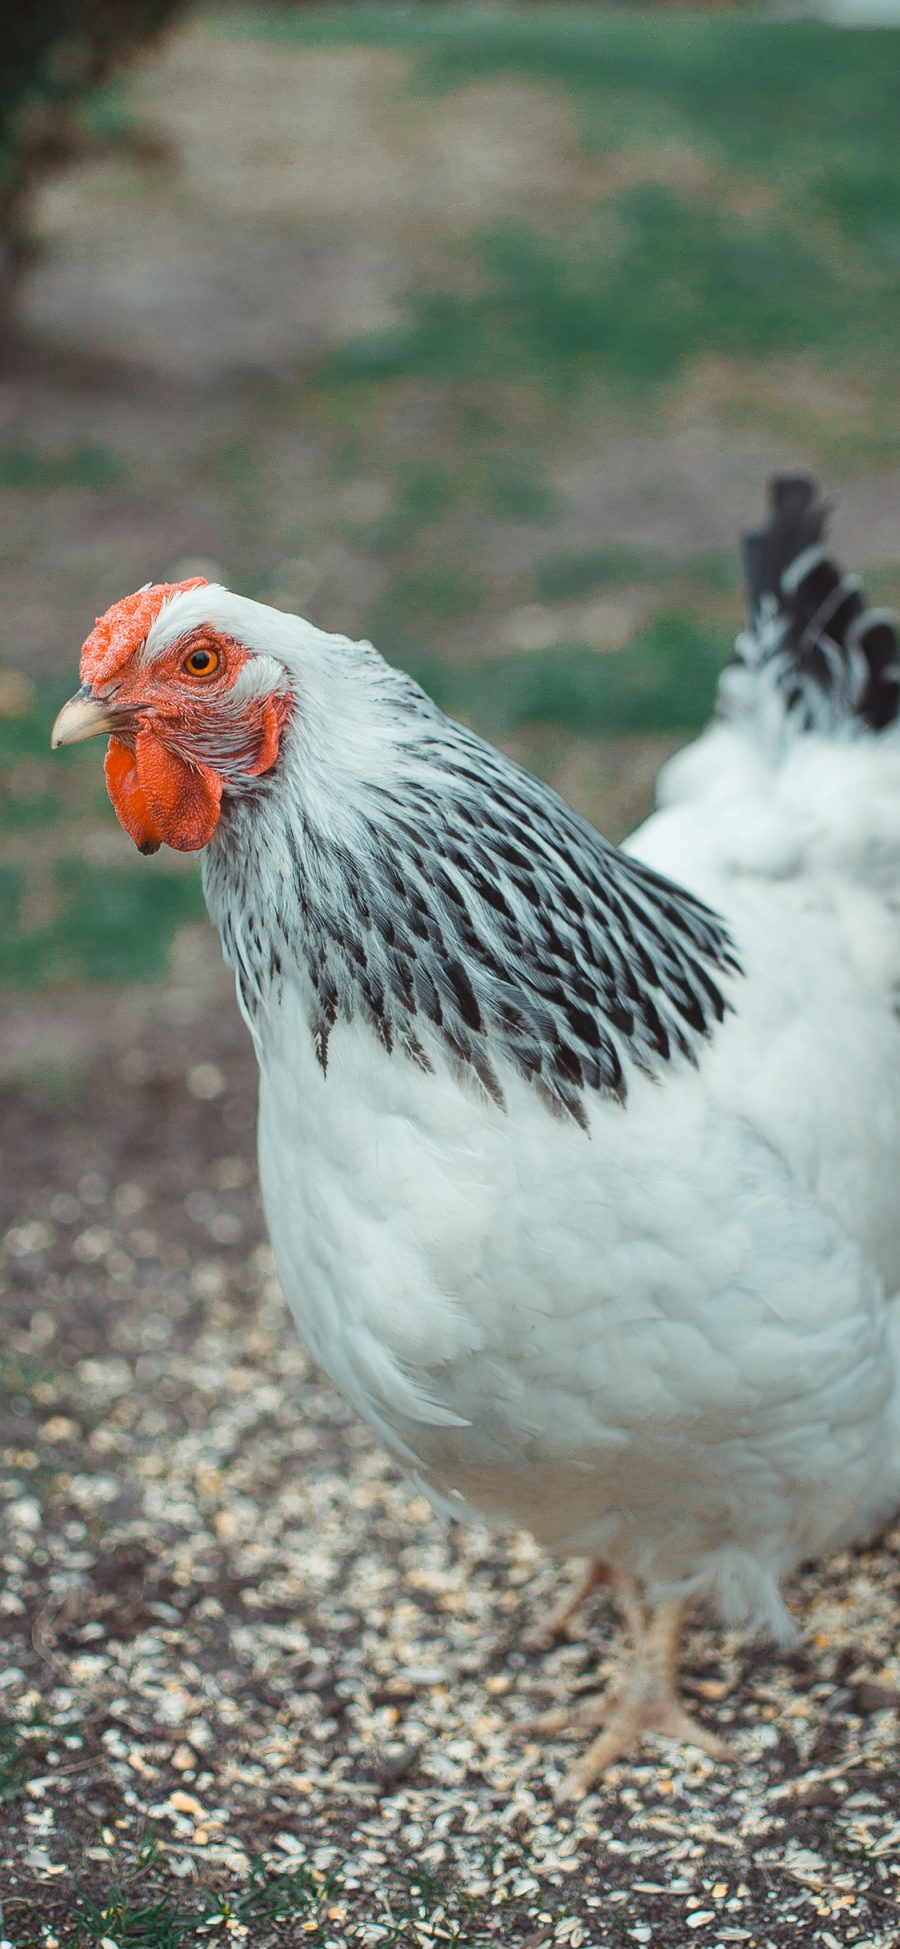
x,y
202,662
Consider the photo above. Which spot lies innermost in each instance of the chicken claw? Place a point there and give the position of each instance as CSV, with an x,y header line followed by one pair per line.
x,y
644,1700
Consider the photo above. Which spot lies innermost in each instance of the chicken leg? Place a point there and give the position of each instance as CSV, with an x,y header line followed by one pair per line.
x,y
555,1625
644,1700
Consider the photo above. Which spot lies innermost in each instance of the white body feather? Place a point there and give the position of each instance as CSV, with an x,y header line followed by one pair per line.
x,y
670,1344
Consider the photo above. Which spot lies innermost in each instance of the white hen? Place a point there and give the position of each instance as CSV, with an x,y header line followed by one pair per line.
x,y
581,1180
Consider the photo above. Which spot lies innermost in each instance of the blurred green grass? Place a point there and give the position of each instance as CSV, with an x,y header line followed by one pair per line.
x,y
664,681
752,214
29,469
630,296
801,110
749,215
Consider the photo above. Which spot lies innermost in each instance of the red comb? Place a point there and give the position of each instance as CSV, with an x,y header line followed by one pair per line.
x,y
117,634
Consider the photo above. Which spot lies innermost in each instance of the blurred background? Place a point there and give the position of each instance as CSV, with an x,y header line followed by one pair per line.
x,y
477,330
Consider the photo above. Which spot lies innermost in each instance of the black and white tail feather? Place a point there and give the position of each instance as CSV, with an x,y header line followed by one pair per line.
x,y
814,657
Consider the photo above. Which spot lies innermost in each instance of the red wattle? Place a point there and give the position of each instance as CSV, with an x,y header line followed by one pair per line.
x,y
183,800
128,800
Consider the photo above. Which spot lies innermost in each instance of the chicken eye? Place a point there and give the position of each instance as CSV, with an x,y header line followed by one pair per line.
x,y
202,662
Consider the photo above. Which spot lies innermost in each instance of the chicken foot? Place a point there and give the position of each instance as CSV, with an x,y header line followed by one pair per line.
x,y
644,1700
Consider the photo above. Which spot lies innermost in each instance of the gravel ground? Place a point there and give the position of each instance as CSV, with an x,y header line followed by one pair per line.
x,y
244,1663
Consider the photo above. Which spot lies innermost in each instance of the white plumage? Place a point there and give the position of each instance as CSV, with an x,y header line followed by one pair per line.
x,y
630,1288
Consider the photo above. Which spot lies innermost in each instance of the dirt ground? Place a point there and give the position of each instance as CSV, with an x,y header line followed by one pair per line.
x,y
232,1636
243,1663
250,1681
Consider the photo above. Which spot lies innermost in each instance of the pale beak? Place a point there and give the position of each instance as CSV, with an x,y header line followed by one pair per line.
x,y
84,716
